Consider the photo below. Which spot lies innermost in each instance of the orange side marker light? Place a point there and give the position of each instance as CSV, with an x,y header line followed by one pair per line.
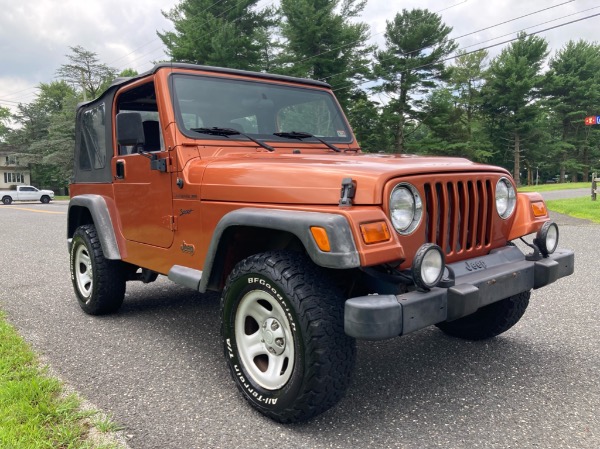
x,y
321,237
539,209
375,232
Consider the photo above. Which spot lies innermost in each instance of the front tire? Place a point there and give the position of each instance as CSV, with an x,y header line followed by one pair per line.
x,y
283,334
45,199
99,283
489,321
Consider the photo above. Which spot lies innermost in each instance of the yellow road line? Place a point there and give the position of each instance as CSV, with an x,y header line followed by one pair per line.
x,y
36,210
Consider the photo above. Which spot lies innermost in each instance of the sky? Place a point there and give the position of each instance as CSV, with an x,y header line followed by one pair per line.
x,y
35,35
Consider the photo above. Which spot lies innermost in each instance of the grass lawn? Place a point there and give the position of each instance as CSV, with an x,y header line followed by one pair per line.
x,y
34,411
577,207
551,187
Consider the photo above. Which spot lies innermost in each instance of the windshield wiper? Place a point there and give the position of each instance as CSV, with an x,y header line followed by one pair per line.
x,y
303,135
226,132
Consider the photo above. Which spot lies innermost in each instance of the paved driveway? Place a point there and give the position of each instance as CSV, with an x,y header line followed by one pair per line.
x,y
157,366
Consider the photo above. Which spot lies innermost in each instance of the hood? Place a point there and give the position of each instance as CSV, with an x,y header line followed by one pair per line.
x,y
314,179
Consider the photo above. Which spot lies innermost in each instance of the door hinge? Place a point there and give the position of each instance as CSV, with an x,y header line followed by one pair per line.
x,y
173,220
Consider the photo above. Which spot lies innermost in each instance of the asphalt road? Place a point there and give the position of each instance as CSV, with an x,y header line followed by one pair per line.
x,y
157,366
563,194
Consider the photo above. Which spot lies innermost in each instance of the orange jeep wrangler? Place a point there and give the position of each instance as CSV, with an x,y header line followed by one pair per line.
x,y
253,185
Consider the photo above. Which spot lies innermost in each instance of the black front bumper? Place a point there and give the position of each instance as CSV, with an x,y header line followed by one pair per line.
x,y
478,282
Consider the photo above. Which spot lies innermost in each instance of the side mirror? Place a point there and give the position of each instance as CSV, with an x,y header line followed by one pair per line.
x,y
129,129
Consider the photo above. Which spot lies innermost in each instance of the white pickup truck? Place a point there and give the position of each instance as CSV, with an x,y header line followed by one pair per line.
x,y
26,193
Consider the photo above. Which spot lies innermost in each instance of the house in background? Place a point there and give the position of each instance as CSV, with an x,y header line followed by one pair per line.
x,y
13,171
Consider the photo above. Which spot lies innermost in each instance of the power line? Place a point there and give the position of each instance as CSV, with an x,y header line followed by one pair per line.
x,y
487,47
512,20
156,38
471,33
529,27
371,36
206,22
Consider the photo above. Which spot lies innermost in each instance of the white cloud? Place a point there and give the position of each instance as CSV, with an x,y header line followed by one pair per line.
x,y
35,35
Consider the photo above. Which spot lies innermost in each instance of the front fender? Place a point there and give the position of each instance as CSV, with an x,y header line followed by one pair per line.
x,y
526,222
343,253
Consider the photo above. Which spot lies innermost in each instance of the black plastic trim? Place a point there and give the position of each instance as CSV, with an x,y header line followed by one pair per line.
x,y
96,205
343,252
506,273
188,277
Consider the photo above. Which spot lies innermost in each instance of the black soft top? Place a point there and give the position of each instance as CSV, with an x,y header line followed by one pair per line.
x,y
118,82
94,144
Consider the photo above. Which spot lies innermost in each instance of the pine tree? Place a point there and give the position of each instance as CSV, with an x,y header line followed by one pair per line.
x,y
410,66
226,33
321,41
512,91
86,73
573,88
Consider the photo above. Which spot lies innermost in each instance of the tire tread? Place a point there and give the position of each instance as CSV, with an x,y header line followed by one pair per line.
x,y
489,321
108,277
329,351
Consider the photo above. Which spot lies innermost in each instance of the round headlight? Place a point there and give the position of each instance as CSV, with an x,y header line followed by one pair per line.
x,y
406,208
547,238
428,266
506,198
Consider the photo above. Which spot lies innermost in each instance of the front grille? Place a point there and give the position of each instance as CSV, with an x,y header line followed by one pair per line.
x,y
459,215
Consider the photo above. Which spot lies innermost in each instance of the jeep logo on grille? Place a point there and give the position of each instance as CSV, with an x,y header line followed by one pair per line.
x,y
476,265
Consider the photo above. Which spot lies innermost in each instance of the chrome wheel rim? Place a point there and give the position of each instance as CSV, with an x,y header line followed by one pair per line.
x,y
264,339
82,267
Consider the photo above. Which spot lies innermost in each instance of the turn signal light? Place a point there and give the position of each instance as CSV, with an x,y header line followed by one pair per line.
x,y
375,232
539,209
321,237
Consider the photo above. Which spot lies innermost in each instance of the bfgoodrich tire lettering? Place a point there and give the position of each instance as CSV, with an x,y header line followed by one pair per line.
x,y
99,283
490,320
282,327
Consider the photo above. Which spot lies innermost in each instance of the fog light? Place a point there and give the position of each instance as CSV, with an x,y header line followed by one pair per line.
x,y
547,238
428,266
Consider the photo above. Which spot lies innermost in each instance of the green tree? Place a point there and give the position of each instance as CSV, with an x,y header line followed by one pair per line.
x,y
86,73
128,73
226,33
452,113
45,135
322,41
512,91
4,123
410,66
365,116
466,80
572,86
53,156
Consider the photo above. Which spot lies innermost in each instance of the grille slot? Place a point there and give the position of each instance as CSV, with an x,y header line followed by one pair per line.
x,y
459,214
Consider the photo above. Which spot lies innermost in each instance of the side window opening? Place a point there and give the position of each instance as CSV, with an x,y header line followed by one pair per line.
x,y
142,99
93,139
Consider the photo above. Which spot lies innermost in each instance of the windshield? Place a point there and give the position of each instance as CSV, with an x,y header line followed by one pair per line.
x,y
256,108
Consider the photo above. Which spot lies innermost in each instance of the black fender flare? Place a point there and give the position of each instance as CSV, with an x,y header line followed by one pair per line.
x,y
96,205
343,254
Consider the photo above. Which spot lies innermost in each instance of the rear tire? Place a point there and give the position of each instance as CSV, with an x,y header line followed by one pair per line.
x,y
283,335
7,200
489,321
99,283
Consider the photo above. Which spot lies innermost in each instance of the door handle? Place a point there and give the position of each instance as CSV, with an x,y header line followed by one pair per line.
x,y
120,170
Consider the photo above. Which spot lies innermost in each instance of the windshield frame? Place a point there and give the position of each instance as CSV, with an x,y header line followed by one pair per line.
x,y
334,108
